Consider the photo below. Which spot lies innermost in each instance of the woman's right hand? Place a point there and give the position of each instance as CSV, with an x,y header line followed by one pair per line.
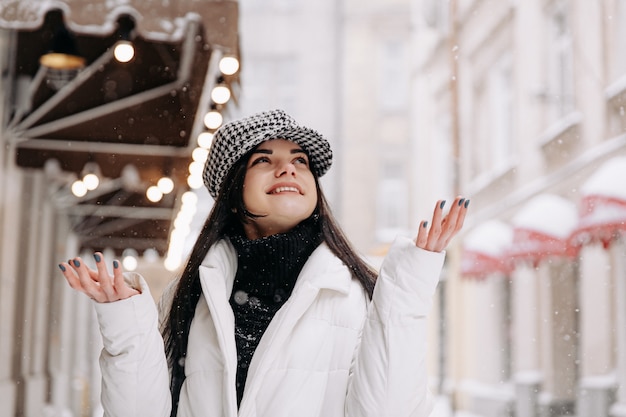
x,y
97,284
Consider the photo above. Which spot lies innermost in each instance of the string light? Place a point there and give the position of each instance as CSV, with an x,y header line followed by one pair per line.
x,y
213,119
124,51
229,65
165,185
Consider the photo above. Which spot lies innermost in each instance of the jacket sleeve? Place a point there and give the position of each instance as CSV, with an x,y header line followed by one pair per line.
x,y
388,375
135,377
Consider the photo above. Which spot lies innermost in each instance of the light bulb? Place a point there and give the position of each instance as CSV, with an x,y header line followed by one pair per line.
x,y
220,94
200,155
213,119
79,189
91,181
166,185
229,65
205,139
124,51
154,194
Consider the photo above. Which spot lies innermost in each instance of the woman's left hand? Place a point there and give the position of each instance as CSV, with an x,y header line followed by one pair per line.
x,y
442,229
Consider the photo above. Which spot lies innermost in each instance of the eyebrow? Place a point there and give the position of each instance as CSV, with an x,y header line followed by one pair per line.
x,y
270,152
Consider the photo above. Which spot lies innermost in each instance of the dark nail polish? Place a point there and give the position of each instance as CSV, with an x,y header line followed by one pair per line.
x,y
62,267
466,203
443,203
69,261
424,225
461,201
96,257
116,264
77,263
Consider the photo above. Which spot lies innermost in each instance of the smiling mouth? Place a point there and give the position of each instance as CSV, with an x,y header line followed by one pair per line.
x,y
285,190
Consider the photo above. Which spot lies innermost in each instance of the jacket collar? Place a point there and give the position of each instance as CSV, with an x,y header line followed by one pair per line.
x,y
323,270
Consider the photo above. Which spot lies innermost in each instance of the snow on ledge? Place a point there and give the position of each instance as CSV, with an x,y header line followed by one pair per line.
x,y
608,180
490,238
548,214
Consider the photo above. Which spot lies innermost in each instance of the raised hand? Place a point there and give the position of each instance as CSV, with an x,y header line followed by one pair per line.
x,y
443,228
97,284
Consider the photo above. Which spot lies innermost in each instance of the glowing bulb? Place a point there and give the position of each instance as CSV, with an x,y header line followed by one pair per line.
x,y
195,181
213,119
79,189
200,155
220,94
124,51
166,185
205,139
154,194
129,262
189,198
171,264
91,181
229,65
196,168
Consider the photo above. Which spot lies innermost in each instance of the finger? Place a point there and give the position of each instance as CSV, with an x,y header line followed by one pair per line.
x,y
103,277
70,276
422,235
435,228
457,221
118,277
461,217
449,223
122,289
90,287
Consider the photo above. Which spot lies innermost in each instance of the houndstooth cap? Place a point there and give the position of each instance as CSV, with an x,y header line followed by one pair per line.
x,y
234,139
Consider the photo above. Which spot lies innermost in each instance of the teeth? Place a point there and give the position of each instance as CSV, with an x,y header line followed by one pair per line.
x,y
284,189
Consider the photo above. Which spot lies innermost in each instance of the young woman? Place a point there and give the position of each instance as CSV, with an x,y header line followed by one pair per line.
x,y
274,315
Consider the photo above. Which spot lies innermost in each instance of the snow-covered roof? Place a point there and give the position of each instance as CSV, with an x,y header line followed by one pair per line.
x,y
490,238
548,214
608,180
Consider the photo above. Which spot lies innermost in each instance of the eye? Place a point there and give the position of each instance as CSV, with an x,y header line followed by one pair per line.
x,y
259,160
301,160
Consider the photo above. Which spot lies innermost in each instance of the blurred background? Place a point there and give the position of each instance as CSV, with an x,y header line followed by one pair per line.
x,y
108,109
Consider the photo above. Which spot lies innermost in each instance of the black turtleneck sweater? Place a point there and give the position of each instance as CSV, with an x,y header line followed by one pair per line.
x,y
266,274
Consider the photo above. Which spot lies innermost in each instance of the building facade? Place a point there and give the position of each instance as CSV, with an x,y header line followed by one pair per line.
x,y
528,98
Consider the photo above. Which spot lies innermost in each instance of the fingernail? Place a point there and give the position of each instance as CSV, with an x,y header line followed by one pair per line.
x,y
77,263
424,225
466,203
62,267
96,257
461,201
69,261
116,264
443,203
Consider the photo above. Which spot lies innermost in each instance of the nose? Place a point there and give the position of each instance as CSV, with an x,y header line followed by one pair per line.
x,y
286,168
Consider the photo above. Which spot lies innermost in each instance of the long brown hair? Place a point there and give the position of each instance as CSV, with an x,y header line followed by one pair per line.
x,y
227,211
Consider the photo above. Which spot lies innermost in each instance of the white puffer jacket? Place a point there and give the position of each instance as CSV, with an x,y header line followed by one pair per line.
x,y
328,352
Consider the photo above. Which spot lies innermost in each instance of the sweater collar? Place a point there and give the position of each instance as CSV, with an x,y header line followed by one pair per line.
x,y
273,263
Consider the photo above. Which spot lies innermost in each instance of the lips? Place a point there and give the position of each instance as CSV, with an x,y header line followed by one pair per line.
x,y
285,188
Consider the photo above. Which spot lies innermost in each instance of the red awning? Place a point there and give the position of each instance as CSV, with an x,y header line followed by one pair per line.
x,y
602,213
541,229
483,250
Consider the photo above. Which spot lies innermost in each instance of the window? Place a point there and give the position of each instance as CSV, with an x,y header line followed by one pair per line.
x,y
393,85
436,14
443,167
619,37
493,142
501,111
392,202
560,93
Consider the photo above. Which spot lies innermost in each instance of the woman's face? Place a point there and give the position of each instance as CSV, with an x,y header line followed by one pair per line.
x,y
279,186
